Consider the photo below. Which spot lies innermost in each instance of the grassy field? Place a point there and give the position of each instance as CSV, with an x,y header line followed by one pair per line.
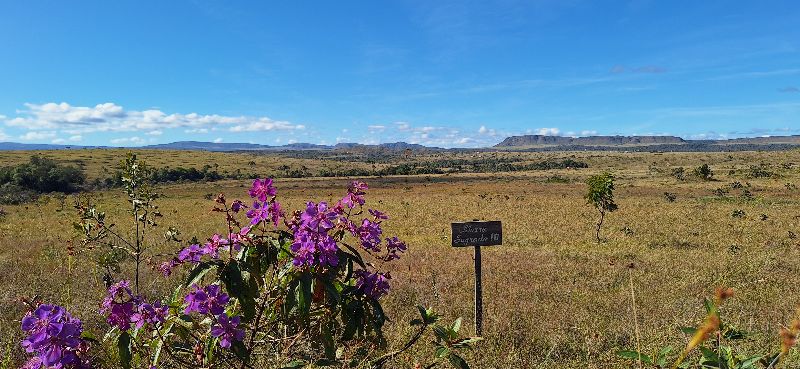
x,y
553,297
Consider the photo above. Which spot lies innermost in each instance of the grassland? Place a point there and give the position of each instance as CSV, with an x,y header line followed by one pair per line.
x,y
554,298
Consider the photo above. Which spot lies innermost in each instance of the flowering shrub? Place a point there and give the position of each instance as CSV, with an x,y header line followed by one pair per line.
x,y
272,290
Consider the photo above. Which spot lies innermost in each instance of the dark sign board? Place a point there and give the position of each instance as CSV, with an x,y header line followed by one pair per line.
x,y
477,234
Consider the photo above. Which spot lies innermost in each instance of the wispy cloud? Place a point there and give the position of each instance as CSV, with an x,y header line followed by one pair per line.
x,y
756,74
790,89
647,69
109,117
135,140
38,135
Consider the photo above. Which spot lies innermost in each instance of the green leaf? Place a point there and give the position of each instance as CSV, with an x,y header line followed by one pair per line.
x,y
304,294
689,330
662,356
240,351
294,364
466,342
124,346
456,325
88,336
458,362
633,355
197,273
378,314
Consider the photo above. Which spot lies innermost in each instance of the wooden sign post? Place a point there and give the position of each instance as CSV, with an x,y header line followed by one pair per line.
x,y
477,234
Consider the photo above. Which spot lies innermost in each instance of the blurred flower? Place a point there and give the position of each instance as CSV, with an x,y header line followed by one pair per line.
x,y
262,189
226,329
373,285
209,299
53,336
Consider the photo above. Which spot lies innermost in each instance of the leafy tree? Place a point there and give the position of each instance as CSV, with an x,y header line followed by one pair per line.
x,y
601,196
704,172
42,174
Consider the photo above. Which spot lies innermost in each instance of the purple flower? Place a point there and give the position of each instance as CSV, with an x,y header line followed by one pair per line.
x,y
369,233
275,212
317,218
237,206
193,253
379,215
355,195
226,329
373,285
310,248
262,189
209,299
166,267
259,213
119,305
149,313
393,247
212,247
53,336
237,239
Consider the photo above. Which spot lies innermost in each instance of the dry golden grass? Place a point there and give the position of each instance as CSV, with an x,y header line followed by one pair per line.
x,y
553,296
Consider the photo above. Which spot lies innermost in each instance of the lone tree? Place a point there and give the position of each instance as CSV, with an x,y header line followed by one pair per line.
x,y
601,196
704,172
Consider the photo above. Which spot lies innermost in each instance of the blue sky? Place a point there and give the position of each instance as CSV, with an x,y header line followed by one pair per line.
x,y
444,73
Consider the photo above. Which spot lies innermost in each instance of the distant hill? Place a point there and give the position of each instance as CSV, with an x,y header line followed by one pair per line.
x,y
646,143
394,146
535,140
527,142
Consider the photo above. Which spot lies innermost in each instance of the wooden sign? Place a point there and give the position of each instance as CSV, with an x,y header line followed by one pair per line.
x,y
477,234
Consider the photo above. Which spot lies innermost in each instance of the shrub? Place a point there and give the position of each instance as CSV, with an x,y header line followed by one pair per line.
x,y
679,173
39,175
601,195
704,172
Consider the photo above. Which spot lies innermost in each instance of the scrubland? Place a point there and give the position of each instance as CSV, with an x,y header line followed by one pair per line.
x,y
553,296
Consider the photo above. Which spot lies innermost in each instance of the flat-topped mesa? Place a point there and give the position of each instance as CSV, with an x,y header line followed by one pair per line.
x,y
539,140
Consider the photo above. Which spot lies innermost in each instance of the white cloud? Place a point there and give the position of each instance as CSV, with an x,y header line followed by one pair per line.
x,y
265,124
218,140
4,136
588,133
135,140
110,117
59,141
38,135
75,138
547,131
487,131
156,132
376,128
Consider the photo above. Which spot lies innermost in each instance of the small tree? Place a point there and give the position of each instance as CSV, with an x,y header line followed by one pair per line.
x,y
601,196
704,172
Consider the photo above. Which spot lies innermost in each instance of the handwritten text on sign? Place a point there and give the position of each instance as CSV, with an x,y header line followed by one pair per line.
x,y
477,233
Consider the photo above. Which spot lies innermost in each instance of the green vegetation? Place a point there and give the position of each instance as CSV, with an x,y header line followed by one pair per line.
x,y
601,196
23,182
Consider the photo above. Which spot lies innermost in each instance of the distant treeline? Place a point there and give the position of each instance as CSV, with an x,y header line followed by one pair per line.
x,y
180,174
489,165
24,182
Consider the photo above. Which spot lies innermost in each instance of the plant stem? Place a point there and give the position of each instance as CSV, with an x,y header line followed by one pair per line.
x,y
635,318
